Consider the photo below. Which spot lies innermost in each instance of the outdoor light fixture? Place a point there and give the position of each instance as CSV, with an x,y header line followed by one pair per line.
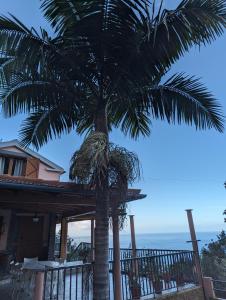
x,y
35,218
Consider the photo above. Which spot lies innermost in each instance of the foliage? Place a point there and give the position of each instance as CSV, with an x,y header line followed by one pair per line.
x,y
213,258
70,243
89,163
80,252
110,55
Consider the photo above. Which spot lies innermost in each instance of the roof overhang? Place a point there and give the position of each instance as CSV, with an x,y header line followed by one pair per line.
x,y
63,198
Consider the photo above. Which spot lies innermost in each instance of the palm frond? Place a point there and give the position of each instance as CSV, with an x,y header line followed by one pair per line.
x,y
43,125
124,166
61,14
90,161
116,51
185,99
173,32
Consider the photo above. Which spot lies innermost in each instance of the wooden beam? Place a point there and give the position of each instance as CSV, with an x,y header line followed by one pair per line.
x,y
32,197
59,209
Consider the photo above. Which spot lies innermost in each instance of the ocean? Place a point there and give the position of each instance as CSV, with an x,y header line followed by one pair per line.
x,y
171,241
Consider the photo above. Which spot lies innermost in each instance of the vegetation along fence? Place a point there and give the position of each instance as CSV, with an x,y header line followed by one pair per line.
x,y
140,276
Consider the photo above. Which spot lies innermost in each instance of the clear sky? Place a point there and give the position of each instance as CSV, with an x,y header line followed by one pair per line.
x,y
182,168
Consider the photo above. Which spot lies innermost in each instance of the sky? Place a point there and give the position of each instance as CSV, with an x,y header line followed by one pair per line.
x,y
181,168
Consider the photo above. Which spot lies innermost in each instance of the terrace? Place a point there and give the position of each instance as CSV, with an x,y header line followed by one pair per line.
x,y
150,274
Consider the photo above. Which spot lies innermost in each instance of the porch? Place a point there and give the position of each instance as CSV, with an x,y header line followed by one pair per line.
x,y
34,207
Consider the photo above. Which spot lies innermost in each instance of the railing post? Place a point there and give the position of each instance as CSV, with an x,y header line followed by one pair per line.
x,y
133,237
39,286
63,239
116,256
92,239
208,287
195,246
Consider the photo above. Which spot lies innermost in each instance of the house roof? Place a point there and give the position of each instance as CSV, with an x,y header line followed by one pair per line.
x,y
15,143
65,198
23,183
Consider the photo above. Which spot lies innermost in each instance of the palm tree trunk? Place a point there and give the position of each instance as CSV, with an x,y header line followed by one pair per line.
x,y
101,265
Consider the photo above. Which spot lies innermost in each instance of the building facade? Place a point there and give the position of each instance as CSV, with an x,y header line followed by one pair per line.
x,y
23,233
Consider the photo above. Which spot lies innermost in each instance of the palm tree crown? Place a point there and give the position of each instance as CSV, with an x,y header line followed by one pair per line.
x,y
107,55
103,68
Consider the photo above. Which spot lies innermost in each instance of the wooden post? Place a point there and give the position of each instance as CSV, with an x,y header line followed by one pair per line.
x,y
133,237
63,239
52,235
39,286
195,245
208,288
116,257
135,268
92,239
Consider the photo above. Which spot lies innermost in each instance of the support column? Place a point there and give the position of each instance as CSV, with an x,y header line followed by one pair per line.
x,y
133,237
116,257
63,239
92,239
52,236
39,286
195,245
208,288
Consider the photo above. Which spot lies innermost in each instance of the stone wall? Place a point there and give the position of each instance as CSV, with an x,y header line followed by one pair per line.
x,y
191,294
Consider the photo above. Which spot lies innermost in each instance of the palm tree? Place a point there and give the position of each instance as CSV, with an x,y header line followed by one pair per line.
x,y
123,168
103,68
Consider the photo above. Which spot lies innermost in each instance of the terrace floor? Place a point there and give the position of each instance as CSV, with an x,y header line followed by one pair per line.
x,y
5,291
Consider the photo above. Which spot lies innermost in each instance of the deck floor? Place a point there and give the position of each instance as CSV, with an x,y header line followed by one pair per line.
x,y
5,292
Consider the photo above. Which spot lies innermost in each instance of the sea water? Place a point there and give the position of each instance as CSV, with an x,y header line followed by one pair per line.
x,y
171,241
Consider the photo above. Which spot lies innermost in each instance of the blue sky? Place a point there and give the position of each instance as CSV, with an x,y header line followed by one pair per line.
x,y
182,168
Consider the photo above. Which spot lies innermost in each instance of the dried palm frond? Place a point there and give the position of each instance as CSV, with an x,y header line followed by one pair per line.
x,y
90,161
95,156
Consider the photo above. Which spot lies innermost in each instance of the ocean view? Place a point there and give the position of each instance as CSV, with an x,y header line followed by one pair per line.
x,y
173,241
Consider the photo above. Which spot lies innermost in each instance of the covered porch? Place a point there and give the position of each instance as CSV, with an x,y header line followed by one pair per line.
x,y
30,210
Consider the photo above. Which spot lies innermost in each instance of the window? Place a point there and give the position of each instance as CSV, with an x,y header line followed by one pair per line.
x,y
12,166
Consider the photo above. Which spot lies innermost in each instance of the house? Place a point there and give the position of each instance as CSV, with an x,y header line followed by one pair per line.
x,y
33,200
18,228
17,161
